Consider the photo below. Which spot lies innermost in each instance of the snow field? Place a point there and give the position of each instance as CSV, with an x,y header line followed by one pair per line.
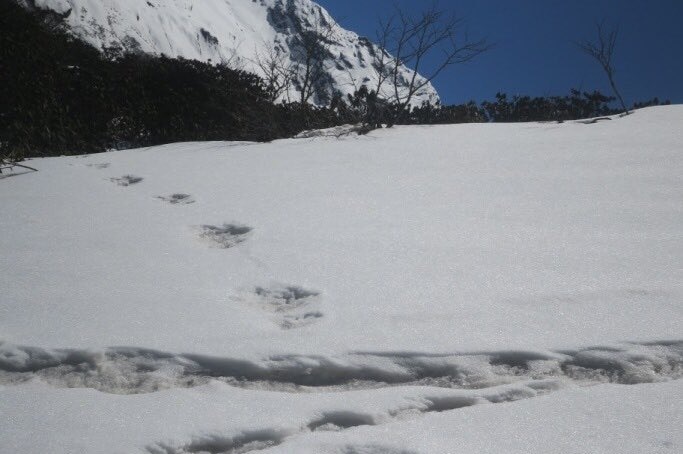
x,y
371,294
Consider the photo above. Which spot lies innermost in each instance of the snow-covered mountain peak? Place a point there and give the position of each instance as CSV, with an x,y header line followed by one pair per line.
x,y
240,33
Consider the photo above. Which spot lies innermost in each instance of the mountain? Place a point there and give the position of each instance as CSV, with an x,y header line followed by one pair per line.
x,y
241,33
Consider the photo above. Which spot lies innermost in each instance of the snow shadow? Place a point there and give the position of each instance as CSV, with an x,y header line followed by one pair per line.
x,y
134,370
6,174
329,421
245,442
447,403
339,420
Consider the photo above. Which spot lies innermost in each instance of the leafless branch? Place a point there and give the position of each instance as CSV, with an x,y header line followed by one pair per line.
x,y
603,51
311,52
411,40
276,70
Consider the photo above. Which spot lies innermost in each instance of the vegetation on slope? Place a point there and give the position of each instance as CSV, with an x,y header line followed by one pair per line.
x,y
60,96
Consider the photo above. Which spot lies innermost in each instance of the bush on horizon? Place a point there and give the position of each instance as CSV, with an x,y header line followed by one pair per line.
x,y
61,96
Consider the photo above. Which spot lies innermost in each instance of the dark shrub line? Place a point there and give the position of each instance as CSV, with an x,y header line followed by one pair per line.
x,y
60,96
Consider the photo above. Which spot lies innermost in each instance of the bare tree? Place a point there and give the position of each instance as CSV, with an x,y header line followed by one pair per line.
x,y
382,59
276,69
603,51
311,50
232,59
410,40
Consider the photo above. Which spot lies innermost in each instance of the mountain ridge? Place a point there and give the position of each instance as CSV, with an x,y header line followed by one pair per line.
x,y
238,33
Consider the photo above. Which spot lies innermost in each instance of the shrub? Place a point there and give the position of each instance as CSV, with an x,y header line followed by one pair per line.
x,y
61,96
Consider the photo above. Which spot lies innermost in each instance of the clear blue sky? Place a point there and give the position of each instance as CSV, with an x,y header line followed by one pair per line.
x,y
535,52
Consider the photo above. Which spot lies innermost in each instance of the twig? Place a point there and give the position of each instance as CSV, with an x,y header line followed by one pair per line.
x,y
19,165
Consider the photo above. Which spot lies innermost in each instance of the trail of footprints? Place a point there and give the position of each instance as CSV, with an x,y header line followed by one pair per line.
x,y
250,441
337,421
342,420
294,306
333,421
470,379
256,440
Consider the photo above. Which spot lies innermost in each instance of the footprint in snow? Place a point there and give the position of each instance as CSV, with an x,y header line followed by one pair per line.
x,y
126,180
292,306
297,321
225,236
103,165
175,199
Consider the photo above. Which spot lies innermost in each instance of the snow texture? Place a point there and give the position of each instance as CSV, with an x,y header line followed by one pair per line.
x,y
479,288
235,32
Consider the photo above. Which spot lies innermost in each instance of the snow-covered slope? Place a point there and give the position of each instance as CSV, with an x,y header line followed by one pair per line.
x,y
450,289
238,32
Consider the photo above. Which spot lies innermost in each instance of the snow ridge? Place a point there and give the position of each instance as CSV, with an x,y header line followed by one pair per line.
x,y
233,32
141,371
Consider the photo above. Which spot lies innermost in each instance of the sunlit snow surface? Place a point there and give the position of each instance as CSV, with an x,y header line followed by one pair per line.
x,y
469,288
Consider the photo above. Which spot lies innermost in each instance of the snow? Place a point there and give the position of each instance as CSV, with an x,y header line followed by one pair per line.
x,y
215,418
238,33
351,294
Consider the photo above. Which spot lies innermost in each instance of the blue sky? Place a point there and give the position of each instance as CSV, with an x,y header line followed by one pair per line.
x,y
535,52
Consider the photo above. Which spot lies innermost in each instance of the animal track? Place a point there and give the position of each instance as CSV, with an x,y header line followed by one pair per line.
x,y
126,180
103,165
285,298
297,321
227,236
182,199
294,307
